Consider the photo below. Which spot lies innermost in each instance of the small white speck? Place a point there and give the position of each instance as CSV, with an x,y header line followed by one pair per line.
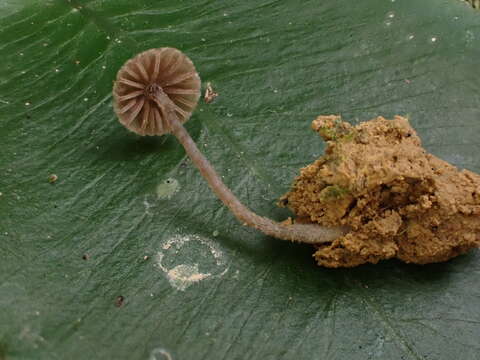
x,y
27,104
1,194
45,44
215,233
455,18
225,14
391,15
85,99
433,39
289,23
275,91
21,54
203,39
37,313
104,67
57,70
151,295
229,115
411,36
145,257
118,41
388,23
6,233
108,37
469,35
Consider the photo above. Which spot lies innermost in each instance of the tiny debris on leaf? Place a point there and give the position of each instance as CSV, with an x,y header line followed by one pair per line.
x,y
119,301
52,178
210,95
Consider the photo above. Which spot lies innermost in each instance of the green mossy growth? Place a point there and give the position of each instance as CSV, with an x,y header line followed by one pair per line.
x,y
333,192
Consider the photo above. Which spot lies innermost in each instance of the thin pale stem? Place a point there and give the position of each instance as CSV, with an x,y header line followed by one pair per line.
x,y
305,233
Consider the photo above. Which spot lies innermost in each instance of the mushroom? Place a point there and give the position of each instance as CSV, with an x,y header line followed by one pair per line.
x,y
154,94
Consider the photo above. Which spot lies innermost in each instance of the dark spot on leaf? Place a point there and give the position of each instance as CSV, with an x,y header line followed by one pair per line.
x,y
119,301
85,257
3,351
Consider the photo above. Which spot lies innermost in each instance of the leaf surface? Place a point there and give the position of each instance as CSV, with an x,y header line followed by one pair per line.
x,y
131,217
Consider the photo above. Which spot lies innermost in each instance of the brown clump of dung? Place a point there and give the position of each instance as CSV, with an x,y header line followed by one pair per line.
x,y
166,70
399,201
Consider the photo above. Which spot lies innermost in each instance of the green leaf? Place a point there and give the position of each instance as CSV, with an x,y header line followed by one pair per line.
x,y
195,283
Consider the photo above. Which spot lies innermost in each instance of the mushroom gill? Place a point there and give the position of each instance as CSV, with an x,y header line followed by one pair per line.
x,y
152,84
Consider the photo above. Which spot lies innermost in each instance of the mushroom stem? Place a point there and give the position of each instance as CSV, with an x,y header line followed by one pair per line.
x,y
305,233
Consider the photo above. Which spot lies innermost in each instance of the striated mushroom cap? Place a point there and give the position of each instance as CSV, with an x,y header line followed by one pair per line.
x,y
145,85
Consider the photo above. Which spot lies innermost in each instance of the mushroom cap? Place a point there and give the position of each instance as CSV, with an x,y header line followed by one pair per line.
x,y
167,70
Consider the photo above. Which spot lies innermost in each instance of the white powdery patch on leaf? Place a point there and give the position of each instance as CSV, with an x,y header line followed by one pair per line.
x,y
184,275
